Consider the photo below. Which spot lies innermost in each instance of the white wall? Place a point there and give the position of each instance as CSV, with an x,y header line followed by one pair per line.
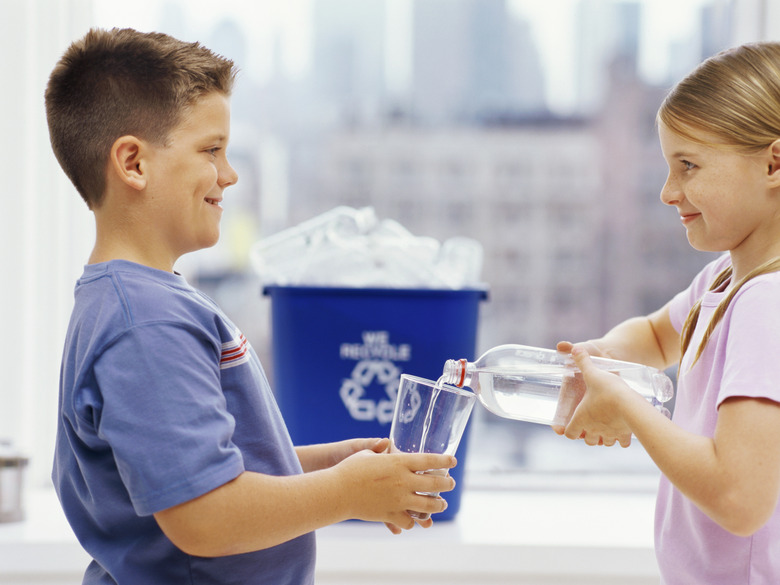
x,y
44,228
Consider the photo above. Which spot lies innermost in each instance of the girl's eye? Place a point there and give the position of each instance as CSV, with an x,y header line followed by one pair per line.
x,y
688,165
213,151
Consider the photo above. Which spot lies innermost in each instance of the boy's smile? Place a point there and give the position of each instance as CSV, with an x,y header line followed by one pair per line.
x,y
188,176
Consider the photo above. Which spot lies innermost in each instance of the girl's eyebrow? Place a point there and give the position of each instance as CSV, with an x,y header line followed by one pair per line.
x,y
215,138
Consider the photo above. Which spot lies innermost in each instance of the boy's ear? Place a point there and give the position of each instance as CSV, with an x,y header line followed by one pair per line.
x,y
125,161
774,164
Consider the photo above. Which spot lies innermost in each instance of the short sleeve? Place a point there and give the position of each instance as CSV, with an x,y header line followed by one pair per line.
x,y
751,367
164,415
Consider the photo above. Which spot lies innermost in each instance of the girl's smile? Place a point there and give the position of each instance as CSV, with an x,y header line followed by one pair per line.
x,y
725,199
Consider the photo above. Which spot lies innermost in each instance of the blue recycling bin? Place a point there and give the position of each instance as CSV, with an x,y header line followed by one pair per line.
x,y
338,355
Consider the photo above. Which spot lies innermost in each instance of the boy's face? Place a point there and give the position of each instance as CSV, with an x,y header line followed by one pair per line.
x,y
188,176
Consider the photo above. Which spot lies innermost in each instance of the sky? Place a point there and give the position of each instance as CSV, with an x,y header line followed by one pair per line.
x,y
288,23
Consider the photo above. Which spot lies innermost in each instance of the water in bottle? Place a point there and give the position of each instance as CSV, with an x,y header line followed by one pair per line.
x,y
544,386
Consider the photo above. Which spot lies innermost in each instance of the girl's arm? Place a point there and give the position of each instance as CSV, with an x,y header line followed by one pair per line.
x,y
733,477
649,340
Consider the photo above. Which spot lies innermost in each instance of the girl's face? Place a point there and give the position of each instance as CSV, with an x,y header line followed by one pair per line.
x,y
723,197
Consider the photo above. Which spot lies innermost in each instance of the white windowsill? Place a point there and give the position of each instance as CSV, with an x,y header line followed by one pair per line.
x,y
498,537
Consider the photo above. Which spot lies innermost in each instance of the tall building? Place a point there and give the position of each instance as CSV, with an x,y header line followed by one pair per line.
x,y
567,210
348,58
527,192
604,30
471,60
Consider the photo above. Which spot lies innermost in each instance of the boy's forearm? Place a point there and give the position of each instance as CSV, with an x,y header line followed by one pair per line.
x,y
253,512
313,457
257,511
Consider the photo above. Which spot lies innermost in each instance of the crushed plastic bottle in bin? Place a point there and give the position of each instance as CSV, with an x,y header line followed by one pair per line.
x,y
349,247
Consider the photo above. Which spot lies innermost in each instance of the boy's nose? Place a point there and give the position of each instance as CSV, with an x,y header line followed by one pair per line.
x,y
228,175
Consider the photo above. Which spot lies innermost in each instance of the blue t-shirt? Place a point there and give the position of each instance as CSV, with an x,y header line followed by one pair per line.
x,y
162,400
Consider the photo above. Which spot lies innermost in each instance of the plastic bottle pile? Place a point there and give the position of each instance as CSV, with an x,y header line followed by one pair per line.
x,y
348,247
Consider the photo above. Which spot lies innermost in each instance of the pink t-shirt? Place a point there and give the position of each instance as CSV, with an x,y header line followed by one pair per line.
x,y
742,358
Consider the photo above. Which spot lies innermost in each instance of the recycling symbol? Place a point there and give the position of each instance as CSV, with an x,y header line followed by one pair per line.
x,y
353,390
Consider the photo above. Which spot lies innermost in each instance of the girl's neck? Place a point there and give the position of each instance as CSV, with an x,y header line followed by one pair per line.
x,y
744,262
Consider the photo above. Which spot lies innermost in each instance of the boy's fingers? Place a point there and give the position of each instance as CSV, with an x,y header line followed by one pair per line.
x,y
429,505
426,461
380,445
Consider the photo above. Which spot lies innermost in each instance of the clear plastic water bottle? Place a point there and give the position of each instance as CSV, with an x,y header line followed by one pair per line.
x,y
542,385
285,257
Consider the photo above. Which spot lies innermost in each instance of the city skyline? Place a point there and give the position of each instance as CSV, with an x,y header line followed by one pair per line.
x,y
280,37
563,199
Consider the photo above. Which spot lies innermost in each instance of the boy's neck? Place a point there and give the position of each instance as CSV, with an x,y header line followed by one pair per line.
x,y
138,250
123,233
101,255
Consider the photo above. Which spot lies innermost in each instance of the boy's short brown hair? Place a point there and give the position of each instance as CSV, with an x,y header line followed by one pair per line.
x,y
118,82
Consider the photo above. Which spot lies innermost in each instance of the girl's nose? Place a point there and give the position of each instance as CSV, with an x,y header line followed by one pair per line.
x,y
670,192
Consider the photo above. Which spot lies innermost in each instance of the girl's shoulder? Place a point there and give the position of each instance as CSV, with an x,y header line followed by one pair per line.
x,y
702,282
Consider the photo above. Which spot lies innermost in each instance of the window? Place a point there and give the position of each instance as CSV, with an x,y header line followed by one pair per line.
x,y
318,72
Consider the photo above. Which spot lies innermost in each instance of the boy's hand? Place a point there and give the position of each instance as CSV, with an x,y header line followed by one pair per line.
x,y
381,487
325,455
598,419
343,449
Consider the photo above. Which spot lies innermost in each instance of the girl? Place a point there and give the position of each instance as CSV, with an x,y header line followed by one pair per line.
x,y
717,517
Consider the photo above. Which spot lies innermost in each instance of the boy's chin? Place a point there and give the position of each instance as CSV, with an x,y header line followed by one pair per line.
x,y
204,243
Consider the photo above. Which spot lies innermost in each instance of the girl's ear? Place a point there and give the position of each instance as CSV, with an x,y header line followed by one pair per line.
x,y
774,164
125,161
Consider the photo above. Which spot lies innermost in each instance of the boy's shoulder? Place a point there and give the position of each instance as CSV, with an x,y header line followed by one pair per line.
x,y
132,294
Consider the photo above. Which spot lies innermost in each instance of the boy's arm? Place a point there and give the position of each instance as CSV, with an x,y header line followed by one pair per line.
x,y
649,340
324,455
257,511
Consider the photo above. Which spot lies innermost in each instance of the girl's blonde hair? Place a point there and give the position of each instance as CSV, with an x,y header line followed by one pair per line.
x,y
731,100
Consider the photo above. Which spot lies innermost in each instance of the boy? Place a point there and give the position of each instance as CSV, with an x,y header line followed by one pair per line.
x,y
172,462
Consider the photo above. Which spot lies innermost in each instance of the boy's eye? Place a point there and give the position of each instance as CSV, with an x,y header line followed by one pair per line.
x,y
688,165
213,151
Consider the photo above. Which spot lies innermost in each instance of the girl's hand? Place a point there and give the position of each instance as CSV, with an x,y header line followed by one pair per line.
x,y
589,346
572,388
599,418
